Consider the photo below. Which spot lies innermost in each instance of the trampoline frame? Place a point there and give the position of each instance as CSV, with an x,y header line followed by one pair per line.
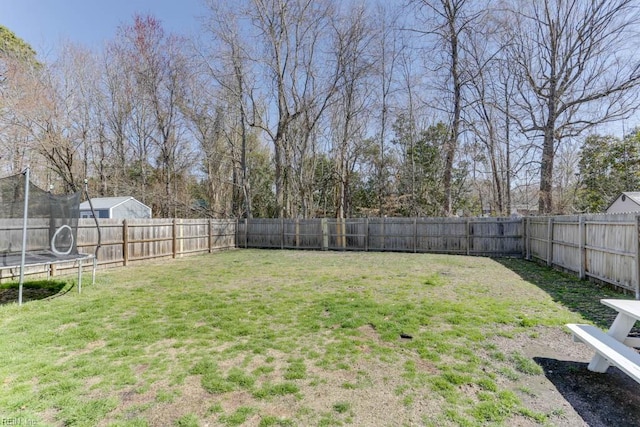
x,y
47,258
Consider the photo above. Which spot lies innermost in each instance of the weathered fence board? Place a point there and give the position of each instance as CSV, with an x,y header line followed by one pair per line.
x,y
603,247
495,237
477,236
565,242
125,241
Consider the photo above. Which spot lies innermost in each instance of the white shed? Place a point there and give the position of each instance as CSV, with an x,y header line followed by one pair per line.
x,y
115,207
629,201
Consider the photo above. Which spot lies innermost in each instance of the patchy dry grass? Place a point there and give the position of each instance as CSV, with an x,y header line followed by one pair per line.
x,y
283,338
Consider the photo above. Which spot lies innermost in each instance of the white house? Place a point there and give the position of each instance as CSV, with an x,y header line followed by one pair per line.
x,y
629,201
115,207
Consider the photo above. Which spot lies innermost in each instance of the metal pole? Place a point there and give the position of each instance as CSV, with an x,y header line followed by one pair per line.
x,y
79,276
24,233
637,257
93,273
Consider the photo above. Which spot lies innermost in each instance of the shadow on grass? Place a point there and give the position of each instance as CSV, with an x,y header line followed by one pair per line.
x,y
602,400
579,296
33,290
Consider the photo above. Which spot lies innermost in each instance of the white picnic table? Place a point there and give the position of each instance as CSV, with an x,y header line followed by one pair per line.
x,y
615,347
628,314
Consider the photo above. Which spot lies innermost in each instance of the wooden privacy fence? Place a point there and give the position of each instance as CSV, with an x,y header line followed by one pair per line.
x,y
463,236
602,247
130,240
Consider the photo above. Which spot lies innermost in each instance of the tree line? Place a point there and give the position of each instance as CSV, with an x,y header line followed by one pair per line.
x,y
305,108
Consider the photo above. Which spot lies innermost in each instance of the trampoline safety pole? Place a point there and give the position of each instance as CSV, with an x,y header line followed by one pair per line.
x,y
24,233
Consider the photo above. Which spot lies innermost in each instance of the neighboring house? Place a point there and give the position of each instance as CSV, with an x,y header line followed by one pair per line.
x,y
629,201
115,207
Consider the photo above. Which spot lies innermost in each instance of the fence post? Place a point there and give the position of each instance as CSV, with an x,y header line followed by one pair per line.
x,y
467,230
341,230
210,242
246,232
582,241
366,234
384,232
550,242
174,237
282,233
297,233
529,239
415,235
325,234
637,278
125,242
525,249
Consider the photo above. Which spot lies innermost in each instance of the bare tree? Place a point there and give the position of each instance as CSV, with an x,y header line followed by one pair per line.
x,y
207,120
575,65
116,140
389,48
300,81
353,46
64,124
228,65
488,109
448,21
408,143
160,70
20,98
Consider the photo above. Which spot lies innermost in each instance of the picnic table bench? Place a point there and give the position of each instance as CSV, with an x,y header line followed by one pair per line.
x,y
614,347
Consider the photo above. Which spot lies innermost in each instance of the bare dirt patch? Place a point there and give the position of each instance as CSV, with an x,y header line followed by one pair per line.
x,y
567,390
89,348
11,295
377,394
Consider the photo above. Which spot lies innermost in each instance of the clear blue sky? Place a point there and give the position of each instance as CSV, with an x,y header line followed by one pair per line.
x,y
44,24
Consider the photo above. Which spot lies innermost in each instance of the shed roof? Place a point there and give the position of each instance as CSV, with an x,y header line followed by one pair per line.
x,y
108,202
633,195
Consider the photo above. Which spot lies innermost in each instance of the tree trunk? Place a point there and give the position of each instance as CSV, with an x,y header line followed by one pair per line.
x,y
508,150
545,201
279,178
452,144
497,181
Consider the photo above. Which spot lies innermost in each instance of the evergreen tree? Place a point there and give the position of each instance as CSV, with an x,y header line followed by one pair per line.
x,y
608,166
14,47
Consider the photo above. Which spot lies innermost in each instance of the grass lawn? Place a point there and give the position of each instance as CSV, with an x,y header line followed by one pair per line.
x,y
284,338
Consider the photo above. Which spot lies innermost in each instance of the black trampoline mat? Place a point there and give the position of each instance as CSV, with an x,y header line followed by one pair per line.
x,y
14,259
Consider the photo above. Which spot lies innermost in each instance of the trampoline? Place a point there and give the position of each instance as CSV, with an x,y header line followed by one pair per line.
x,y
40,228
